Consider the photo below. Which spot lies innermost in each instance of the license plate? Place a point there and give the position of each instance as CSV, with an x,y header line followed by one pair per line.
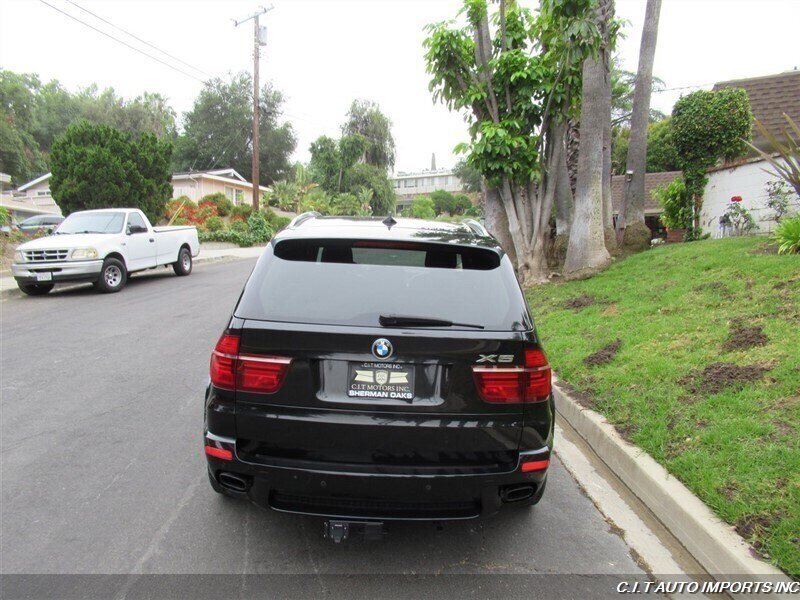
x,y
381,380
44,277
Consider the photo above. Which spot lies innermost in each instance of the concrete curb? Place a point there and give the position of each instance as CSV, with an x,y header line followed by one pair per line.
x,y
13,291
712,542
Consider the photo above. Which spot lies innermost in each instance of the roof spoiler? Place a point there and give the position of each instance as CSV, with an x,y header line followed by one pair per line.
x,y
302,218
476,227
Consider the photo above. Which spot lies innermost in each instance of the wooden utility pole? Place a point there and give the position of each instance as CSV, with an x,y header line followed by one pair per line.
x,y
259,39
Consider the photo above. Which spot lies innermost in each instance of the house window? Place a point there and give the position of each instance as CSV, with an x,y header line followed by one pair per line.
x,y
229,193
239,197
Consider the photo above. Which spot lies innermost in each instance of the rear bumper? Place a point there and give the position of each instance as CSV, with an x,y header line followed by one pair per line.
x,y
314,491
79,270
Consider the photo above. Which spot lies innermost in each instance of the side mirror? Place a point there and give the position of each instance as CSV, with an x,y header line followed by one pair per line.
x,y
136,229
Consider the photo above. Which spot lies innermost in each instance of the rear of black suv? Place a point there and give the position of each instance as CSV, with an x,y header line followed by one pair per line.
x,y
371,372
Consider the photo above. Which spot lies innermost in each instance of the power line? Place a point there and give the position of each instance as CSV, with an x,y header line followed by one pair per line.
x,y
684,87
108,35
145,42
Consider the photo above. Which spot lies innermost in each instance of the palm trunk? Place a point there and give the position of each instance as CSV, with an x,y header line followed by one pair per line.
x,y
630,226
586,252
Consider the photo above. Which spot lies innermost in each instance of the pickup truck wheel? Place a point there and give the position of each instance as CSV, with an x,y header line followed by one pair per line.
x,y
184,265
35,289
113,276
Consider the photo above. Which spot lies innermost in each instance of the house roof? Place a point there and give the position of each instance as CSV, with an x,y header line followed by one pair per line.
x,y
33,182
651,182
12,204
770,97
224,175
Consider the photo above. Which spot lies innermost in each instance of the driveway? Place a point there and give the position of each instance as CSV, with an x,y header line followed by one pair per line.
x,y
102,467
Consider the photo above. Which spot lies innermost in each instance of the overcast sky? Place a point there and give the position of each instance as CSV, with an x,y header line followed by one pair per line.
x,y
324,53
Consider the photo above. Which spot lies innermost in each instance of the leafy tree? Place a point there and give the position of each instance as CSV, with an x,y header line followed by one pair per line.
x,y
366,119
96,166
423,208
514,87
285,195
19,153
469,176
218,130
375,179
661,152
443,202
708,126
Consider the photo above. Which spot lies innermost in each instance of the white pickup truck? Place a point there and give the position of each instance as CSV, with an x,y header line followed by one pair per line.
x,y
102,246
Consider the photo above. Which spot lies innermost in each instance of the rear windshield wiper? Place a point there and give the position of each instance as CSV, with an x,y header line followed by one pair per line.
x,y
403,321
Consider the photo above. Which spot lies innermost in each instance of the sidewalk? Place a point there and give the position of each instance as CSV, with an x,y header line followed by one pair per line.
x,y
207,254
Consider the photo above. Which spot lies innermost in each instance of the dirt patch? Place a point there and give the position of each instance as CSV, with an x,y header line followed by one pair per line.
x,y
730,490
580,302
721,376
759,525
715,287
603,356
782,285
741,338
611,311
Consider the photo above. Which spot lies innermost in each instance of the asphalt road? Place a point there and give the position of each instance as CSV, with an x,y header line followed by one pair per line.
x,y
102,468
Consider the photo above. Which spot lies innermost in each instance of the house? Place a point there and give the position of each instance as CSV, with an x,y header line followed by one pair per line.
x,y
408,186
197,184
746,179
28,200
770,97
34,198
652,209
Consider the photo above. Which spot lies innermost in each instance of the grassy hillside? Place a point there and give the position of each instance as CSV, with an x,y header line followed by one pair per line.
x,y
693,352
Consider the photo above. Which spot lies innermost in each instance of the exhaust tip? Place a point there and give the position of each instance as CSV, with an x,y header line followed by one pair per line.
x,y
517,493
233,482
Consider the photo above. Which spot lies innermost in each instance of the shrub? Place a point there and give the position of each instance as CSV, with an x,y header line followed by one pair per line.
x,y
318,200
205,210
422,208
677,204
461,204
778,198
281,223
215,224
787,234
238,226
242,210
182,204
474,212
443,202
5,215
221,201
258,227
737,218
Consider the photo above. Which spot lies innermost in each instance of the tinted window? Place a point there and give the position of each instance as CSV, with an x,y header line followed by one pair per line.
x,y
93,222
354,283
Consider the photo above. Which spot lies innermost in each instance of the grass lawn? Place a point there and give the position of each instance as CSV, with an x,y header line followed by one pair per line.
x,y
693,352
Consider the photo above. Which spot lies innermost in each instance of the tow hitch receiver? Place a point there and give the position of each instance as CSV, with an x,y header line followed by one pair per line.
x,y
340,530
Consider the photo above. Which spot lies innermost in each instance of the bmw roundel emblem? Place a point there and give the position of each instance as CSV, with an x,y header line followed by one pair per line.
x,y
382,348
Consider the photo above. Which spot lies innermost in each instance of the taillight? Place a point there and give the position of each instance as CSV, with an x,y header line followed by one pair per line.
x,y
534,465
512,385
223,362
232,371
263,374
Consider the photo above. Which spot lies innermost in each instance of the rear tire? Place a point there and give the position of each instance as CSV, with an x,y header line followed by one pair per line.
x,y
113,276
35,289
183,266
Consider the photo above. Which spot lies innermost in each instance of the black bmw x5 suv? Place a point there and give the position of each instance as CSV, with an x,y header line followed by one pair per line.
x,y
380,370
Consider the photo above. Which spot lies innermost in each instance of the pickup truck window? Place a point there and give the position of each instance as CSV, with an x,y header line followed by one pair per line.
x,y
92,222
136,223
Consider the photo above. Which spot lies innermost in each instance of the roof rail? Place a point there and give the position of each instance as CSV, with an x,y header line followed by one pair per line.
x,y
302,218
476,227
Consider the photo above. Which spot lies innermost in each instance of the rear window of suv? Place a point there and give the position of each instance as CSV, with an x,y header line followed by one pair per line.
x,y
354,282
